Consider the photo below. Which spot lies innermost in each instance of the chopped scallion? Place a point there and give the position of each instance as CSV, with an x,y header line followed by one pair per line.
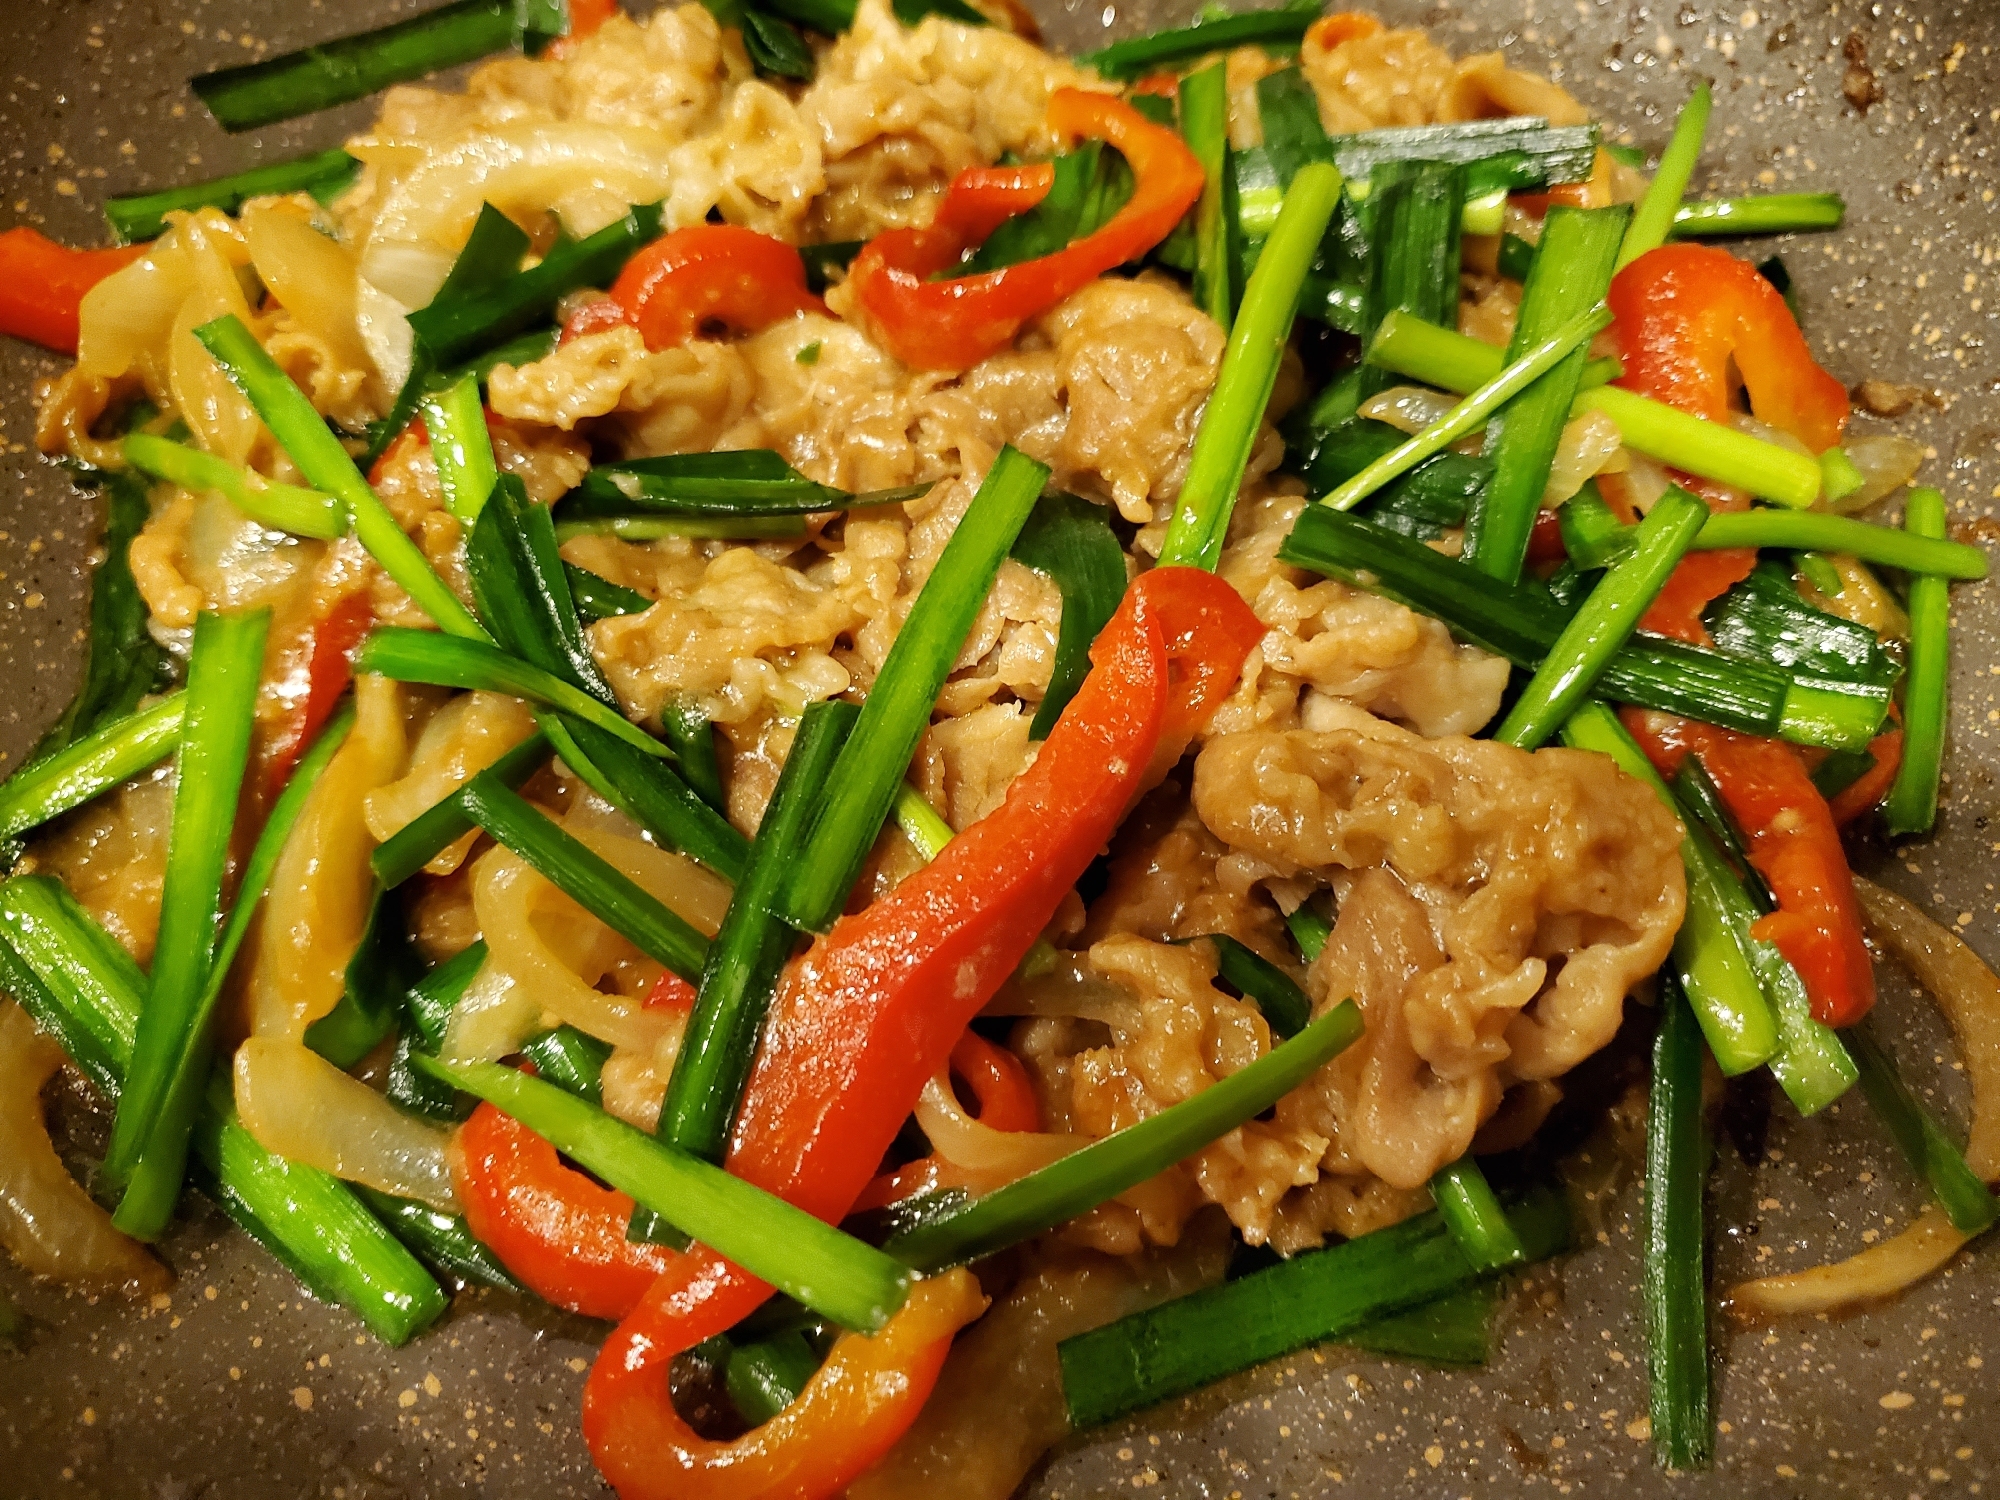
x,y
147,1156
834,1274
281,507
586,878
1100,1171
1140,55
1249,371
1886,546
1606,620
1654,217
445,821
1474,411
1204,110
863,784
1912,802
1672,1285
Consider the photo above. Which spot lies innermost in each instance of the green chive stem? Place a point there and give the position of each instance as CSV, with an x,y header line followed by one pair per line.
x,y
1955,1186
1606,620
446,821
1654,218
147,1155
1107,1167
586,878
864,782
1472,1212
426,656
1673,1288
120,750
462,447
1249,370
1910,550
1708,957
1204,111
1473,412
834,1274
312,446
1912,803
1712,450
281,507
1769,213
750,949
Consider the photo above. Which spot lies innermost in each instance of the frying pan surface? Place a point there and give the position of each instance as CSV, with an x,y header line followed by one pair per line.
x,y
237,1387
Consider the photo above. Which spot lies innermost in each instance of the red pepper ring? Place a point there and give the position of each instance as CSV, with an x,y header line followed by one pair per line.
x,y
561,1234
706,274
874,1008
951,324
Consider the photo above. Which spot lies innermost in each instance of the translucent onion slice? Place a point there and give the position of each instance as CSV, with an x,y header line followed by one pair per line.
x,y
587,173
1969,995
1887,462
1001,1155
47,1222
301,1107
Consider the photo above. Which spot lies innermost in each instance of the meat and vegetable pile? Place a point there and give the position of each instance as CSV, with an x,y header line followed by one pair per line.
x,y
967,737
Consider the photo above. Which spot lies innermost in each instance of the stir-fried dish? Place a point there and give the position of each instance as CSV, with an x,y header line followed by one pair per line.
x,y
966,737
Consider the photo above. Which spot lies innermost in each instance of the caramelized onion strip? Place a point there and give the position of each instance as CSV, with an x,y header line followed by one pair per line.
x,y
1969,995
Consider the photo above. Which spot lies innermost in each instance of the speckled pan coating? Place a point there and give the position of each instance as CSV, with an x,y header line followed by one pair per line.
x,y
234,1387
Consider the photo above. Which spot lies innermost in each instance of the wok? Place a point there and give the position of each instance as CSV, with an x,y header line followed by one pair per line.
x,y
236,1385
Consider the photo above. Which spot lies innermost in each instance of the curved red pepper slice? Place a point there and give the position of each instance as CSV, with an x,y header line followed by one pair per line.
x,y
561,1234
876,1006
1794,845
42,285
329,669
1873,784
999,1082
1684,314
707,275
951,324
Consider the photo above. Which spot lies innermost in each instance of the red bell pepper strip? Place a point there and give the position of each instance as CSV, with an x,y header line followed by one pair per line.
x,y
1873,784
1793,844
560,1233
670,992
1684,314
954,323
875,1008
708,275
42,285
329,670
585,16
999,1082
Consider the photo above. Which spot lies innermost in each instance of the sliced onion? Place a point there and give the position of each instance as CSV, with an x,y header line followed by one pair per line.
x,y
1880,1271
1645,481
1964,989
300,1106
1002,1155
1408,408
48,1223
1862,599
1764,432
521,169
1887,462
1969,995
491,1019
1591,444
